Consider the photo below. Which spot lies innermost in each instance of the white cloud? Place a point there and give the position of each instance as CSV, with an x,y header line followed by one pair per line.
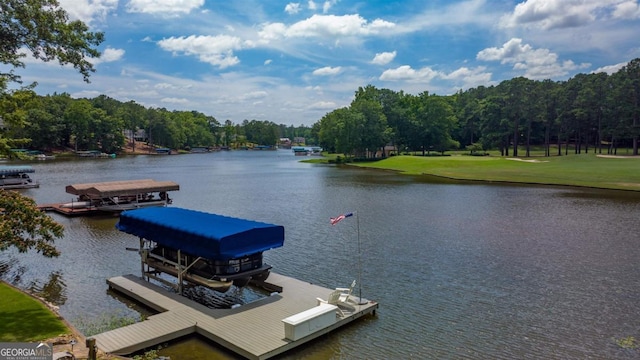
x,y
469,78
272,31
609,69
215,50
258,94
327,5
173,100
629,9
312,5
535,63
164,85
292,8
465,77
383,58
326,26
553,14
267,62
327,71
407,73
322,105
109,55
88,11
163,6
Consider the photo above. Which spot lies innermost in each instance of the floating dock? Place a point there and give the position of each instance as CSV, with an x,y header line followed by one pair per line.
x,y
257,330
69,211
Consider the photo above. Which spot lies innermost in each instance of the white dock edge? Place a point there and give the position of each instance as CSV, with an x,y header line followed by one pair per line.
x,y
309,321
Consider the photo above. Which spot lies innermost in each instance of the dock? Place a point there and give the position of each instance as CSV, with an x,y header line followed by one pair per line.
x,y
68,211
113,197
257,330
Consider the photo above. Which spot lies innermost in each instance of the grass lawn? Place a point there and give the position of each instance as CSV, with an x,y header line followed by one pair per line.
x,y
25,319
574,170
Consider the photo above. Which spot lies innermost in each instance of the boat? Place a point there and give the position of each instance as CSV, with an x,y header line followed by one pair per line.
x,y
94,154
44,157
17,177
117,196
300,151
201,248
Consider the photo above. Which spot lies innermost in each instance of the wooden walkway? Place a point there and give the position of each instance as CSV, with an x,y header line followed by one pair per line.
x,y
69,211
254,330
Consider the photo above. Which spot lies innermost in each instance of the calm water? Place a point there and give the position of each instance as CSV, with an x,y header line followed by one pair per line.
x,y
460,271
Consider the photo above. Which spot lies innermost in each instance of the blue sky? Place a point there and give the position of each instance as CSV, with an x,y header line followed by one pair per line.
x,y
293,62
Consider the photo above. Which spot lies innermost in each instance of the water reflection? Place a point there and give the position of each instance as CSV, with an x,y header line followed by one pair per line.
x,y
53,291
12,271
217,300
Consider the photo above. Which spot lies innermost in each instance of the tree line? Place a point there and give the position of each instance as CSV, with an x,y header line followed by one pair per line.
x,y
589,111
102,123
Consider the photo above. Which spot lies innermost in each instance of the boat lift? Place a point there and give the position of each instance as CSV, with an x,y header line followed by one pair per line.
x,y
201,248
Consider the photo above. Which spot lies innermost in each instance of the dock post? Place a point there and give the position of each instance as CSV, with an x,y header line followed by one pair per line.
x,y
142,261
91,345
179,272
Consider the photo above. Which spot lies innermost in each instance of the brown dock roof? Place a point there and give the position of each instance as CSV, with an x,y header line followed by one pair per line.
x,y
121,188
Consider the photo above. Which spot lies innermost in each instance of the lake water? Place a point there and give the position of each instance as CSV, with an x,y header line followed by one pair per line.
x,y
461,271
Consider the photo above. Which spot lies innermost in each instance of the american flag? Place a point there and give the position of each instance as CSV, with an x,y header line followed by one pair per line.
x,y
335,220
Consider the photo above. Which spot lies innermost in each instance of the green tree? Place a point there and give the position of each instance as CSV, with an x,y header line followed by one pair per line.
x,y
375,133
434,121
627,89
261,132
77,116
14,118
340,131
494,124
43,28
24,226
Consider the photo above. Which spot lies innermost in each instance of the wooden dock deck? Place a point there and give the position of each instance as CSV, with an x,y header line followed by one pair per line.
x,y
254,330
69,211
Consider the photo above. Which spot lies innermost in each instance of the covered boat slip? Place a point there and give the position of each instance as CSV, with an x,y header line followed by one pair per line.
x,y
207,249
202,234
16,177
114,197
15,170
120,188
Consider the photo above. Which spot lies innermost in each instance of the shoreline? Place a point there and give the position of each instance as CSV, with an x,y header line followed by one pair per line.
x,y
587,171
62,342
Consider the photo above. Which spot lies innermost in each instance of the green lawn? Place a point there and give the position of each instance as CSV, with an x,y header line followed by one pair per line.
x,y
25,319
575,170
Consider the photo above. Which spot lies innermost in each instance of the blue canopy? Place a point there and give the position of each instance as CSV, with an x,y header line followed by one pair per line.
x,y
15,170
201,234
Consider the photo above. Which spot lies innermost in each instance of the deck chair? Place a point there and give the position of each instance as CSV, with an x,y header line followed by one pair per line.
x,y
340,298
334,299
345,293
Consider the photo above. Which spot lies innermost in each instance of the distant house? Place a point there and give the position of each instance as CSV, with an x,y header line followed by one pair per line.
x,y
284,143
298,140
138,135
141,135
389,150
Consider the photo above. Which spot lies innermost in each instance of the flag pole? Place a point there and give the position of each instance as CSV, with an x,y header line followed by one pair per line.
x,y
360,302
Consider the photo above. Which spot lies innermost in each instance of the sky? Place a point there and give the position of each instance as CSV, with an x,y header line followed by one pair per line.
x,y
293,62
